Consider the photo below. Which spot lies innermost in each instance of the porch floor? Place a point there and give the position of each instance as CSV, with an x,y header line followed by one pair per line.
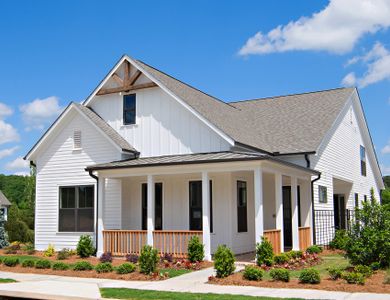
x,y
246,257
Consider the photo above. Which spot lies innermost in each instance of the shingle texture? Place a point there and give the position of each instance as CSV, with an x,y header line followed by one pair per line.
x,y
3,200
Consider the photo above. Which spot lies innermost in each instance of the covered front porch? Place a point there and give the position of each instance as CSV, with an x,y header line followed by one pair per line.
x,y
231,202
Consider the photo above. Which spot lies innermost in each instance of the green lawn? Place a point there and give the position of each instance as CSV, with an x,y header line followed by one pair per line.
x,y
174,272
120,293
7,280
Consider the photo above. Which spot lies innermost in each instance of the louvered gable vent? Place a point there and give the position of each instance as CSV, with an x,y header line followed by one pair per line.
x,y
77,139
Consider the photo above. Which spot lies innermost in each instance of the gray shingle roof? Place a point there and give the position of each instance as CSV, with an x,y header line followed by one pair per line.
x,y
3,200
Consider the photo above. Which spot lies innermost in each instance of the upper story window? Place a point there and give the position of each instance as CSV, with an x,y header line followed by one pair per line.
x,y
363,167
129,109
77,139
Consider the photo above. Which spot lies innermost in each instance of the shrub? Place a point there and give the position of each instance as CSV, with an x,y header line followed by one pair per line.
x,y
365,270
50,251
59,265
309,276
224,261
314,249
167,257
11,261
195,250
106,257
264,252
353,277
16,226
253,273
148,260
82,266
28,263
104,267
280,275
294,254
63,254
340,240
375,266
85,247
3,233
281,259
133,258
43,264
335,273
125,268
29,248
369,238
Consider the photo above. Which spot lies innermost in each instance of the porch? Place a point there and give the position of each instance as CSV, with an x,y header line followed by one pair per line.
x,y
231,203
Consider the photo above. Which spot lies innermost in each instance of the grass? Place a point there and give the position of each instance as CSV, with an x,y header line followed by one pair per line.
x,y
121,293
7,280
174,272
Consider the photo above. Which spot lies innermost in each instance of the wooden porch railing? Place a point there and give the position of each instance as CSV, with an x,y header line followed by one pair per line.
x,y
273,236
174,242
122,242
304,238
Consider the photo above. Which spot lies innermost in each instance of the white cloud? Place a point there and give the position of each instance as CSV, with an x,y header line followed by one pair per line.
x,y
377,61
40,112
386,149
336,28
7,133
18,164
8,152
5,111
385,169
22,173
349,79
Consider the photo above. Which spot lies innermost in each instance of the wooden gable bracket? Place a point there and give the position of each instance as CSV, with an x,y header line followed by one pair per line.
x,y
127,83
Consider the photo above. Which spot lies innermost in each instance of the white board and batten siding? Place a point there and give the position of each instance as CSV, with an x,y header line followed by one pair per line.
x,y
60,165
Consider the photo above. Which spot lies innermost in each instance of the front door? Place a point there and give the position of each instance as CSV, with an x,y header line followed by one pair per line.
x,y
287,218
339,211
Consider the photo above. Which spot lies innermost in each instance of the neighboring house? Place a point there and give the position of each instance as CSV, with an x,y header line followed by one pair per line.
x,y
4,205
148,159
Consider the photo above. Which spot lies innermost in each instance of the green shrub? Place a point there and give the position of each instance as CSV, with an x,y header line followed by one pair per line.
x,y
253,273
50,251
17,227
63,254
85,246
264,252
365,270
314,249
83,266
43,264
281,259
148,260
335,272
59,265
369,238
375,266
105,267
340,240
294,254
195,250
310,276
11,261
28,263
29,248
125,268
224,261
353,277
280,275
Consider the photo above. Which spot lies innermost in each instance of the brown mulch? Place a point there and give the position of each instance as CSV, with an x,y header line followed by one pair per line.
x,y
374,284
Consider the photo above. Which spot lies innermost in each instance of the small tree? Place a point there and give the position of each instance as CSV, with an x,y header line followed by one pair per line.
x,y
224,261
85,246
195,250
148,260
264,252
3,233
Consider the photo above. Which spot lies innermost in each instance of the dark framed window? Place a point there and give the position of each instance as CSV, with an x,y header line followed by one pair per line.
x,y
76,211
365,198
242,205
356,200
196,206
322,194
363,165
299,206
129,109
158,206
211,207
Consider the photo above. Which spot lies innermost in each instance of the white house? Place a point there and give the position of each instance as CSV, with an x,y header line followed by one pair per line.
x,y
4,205
148,159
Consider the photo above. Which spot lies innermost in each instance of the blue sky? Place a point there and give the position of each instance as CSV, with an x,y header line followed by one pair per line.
x,y
55,52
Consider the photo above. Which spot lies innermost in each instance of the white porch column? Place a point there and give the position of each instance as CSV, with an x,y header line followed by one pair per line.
x,y
150,205
206,215
258,196
294,208
279,208
100,215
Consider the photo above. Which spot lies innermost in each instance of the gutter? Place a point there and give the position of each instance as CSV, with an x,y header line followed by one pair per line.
x,y
90,172
312,207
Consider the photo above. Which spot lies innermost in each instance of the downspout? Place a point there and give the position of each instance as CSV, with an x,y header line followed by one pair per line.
x,y
97,206
312,208
307,158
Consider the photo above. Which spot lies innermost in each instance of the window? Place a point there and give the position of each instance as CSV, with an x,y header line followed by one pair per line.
x,y
322,194
196,206
365,198
363,167
211,207
76,212
129,109
242,203
158,206
77,139
356,200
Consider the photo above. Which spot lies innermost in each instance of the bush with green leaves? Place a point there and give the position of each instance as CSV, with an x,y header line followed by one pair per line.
x,y
335,272
29,248
340,240
3,233
281,259
82,266
315,249
354,277
365,270
253,273
125,268
148,260
60,266
85,246
280,275
43,264
195,250
104,267
369,238
224,261
310,275
264,252
63,254
294,254
375,266
11,261
50,251
28,263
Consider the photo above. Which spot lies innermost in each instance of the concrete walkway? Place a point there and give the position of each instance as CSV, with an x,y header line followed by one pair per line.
x,y
61,287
